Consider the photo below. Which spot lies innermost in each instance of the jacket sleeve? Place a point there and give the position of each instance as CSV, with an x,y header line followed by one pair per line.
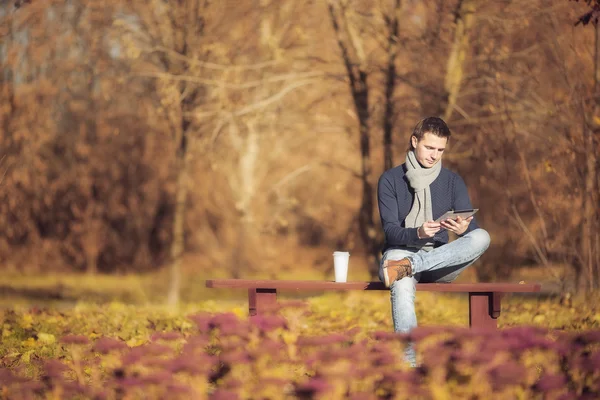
x,y
395,234
462,201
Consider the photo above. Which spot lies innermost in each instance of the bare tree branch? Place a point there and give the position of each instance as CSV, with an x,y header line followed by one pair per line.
x,y
213,82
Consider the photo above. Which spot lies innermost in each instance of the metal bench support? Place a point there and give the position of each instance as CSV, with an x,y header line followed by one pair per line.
x,y
261,300
484,309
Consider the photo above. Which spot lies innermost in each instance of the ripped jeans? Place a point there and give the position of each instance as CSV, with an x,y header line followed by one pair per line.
x,y
442,264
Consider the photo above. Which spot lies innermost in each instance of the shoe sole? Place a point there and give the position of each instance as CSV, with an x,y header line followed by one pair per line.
x,y
386,276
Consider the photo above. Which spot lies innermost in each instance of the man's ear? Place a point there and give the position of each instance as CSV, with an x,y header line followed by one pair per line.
x,y
414,141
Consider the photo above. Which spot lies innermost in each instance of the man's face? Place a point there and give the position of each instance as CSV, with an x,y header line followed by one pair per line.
x,y
429,149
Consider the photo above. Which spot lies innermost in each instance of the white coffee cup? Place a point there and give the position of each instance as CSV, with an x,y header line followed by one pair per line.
x,y
340,265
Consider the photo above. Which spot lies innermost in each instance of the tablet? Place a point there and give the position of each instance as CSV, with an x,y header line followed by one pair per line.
x,y
455,214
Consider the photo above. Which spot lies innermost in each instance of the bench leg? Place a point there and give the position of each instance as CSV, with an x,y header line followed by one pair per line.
x,y
261,300
484,309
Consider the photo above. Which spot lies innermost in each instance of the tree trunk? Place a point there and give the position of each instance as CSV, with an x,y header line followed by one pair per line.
x,y
390,85
178,240
92,264
366,223
465,18
353,55
590,213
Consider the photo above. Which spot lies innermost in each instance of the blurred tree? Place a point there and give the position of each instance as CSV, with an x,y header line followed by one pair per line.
x,y
464,21
167,41
590,106
392,24
115,116
68,130
352,47
204,85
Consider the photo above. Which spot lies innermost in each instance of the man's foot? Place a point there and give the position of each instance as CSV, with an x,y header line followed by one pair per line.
x,y
394,270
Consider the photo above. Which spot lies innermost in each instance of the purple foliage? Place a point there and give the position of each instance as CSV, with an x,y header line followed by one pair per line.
x,y
158,378
202,321
477,357
268,323
166,336
178,388
422,332
270,346
228,324
30,387
241,356
131,382
192,366
195,344
137,354
7,377
334,338
232,383
280,382
362,396
586,338
74,339
131,357
105,345
155,349
405,377
589,361
509,373
101,395
389,336
378,359
550,382
222,394
53,368
157,362
509,343
74,390
312,387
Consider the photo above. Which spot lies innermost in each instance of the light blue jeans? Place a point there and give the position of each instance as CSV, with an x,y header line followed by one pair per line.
x,y
442,264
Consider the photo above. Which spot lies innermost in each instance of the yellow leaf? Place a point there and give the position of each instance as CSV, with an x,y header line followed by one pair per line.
x,y
26,357
26,321
46,338
239,312
134,342
29,342
539,318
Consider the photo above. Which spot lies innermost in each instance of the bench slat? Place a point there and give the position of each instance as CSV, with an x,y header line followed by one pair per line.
x,y
330,285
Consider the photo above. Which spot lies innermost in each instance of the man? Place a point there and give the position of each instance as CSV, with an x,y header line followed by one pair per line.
x,y
411,197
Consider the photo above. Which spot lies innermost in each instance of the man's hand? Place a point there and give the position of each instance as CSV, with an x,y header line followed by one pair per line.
x,y
458,225
428,229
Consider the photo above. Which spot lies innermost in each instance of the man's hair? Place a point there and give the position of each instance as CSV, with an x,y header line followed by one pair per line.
x,y
433,125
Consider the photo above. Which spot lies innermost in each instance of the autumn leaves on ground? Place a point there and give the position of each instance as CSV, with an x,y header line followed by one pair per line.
x,y
322,346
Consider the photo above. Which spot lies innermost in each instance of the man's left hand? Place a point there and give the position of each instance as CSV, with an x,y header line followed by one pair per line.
x,y
458,225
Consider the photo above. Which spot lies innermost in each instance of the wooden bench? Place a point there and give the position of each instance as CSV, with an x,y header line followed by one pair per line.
x,y
484,298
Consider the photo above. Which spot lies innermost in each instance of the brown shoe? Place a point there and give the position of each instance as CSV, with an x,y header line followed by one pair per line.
x,y
394,270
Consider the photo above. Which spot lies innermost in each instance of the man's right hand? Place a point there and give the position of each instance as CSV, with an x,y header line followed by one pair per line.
x,y
428,229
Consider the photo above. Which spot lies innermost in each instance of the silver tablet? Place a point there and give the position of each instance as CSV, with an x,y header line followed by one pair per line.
x,y
453,214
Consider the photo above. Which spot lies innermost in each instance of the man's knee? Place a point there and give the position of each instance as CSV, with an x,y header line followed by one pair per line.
x,y
480,239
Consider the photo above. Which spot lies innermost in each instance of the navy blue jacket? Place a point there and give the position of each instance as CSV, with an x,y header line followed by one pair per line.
x,y
395,199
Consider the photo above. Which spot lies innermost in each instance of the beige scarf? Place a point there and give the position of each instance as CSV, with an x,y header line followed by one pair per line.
x,y
419,179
